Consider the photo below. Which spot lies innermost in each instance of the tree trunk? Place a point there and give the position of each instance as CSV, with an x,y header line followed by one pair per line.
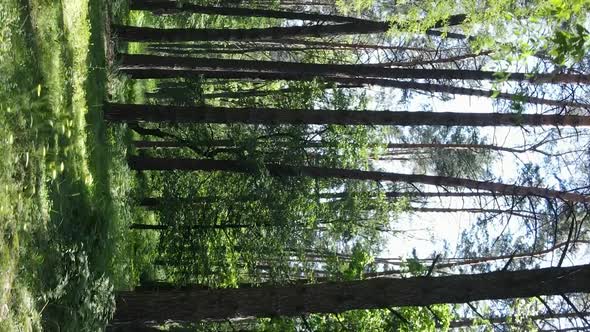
x,y
181,144
308,44
456,146
517,213
130,61
273,116
141,34
479,260
248,167
162,73
338,297
189,52
155,202
173,6
457,90
423,62
158,144
415,195
132,327
164,227
266,93
353,46
505,320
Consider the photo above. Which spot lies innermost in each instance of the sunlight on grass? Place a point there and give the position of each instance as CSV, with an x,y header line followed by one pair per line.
x,y
63,197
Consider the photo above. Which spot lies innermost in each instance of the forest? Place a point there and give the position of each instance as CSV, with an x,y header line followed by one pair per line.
x,y
294,165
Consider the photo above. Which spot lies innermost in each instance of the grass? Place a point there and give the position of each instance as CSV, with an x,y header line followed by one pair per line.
x,y
64,185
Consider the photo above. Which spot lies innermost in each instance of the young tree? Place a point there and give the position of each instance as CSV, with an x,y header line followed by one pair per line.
x,y
139,61
248,167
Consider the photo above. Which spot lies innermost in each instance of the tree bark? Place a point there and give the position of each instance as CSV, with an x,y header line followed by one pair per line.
x,y
343,296
130,61
248,167
173,6
273,116
132,327
160,227
142,34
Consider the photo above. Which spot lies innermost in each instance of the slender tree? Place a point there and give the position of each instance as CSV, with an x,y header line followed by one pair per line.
x,y
130,61
412,147
148,163
161,73
513,212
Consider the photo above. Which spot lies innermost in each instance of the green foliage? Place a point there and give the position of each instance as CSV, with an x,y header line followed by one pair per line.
x,y
569,46
450,162
354,6
79,299
58,213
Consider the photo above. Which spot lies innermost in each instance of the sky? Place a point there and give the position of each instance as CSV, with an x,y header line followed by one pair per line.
x,y
432,231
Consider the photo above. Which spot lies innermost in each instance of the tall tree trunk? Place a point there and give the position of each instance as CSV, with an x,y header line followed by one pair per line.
x,y
173,6
422,61
141,34
507,319
155,202
306,43
517,213
181,144
158,144
338,297
266,93
161,73
131,327
160,227
457,90
188,52
395,194
247,167
130,61
458,146
353,46
274,116
480,260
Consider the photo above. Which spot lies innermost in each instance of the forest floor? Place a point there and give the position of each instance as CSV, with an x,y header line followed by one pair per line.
x,y
65,200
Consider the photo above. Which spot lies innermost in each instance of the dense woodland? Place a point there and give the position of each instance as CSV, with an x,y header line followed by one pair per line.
x,y
325,165
281,143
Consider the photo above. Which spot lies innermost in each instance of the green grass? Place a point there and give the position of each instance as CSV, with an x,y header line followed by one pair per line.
x,y
64,184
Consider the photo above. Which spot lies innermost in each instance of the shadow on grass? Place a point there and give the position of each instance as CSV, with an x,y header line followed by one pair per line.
x,y
64,198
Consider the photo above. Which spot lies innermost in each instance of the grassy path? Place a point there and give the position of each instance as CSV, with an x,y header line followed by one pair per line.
x,y
64,185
